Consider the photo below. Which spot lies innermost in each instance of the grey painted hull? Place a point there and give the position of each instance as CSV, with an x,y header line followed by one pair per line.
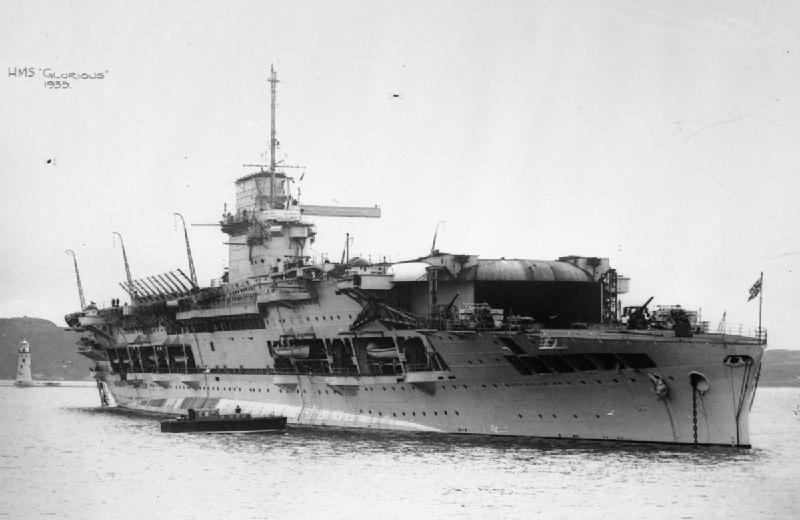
x,y
488,399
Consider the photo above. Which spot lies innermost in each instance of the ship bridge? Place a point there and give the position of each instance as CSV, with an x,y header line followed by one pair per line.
x,y
267,231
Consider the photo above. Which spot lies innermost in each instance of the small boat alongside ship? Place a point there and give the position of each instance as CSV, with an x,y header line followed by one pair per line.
x,y
211,421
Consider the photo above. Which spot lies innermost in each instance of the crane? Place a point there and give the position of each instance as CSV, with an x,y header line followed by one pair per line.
x,y
78,276
127,267
192,274
435,233
722,323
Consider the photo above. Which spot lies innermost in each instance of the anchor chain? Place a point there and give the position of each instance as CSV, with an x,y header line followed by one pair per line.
x,y
694,409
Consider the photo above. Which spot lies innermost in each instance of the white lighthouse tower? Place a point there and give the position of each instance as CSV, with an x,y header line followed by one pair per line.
x,y
24,365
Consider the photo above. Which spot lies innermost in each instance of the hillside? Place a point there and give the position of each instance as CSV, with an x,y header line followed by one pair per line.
x,y
780,368
53,353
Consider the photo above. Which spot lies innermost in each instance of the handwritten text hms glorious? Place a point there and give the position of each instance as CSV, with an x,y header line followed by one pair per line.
x,y
54,79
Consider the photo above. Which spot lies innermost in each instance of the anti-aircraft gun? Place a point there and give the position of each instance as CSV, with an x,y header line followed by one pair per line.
x,y
638,317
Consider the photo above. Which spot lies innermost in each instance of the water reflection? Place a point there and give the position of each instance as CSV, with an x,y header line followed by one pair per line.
x,y
339,442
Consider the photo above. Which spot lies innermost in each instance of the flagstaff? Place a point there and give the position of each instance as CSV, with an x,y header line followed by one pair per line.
x,y
760,299
758,290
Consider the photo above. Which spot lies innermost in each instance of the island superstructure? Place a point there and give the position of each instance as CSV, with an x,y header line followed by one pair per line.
x,y
440,343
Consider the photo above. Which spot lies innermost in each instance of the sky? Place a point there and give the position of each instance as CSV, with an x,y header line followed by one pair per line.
x,y
662,135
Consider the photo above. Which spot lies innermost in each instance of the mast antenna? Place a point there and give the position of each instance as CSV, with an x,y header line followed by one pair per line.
x,y
273,80
188,251
78,276
127,267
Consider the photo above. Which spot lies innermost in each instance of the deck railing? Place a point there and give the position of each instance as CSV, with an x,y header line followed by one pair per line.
x,y
732,329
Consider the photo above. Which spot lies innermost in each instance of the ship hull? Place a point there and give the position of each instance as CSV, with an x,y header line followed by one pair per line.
x,y
707,400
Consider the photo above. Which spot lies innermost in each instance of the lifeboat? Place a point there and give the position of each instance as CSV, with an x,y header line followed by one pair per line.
x,y
378,352
295,352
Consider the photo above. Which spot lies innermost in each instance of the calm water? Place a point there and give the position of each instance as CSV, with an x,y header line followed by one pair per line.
x,y
62,457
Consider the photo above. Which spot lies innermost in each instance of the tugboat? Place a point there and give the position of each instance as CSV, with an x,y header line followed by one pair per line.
x,y
211,421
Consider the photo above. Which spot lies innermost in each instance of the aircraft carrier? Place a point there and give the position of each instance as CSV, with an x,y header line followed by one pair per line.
x,y
442,343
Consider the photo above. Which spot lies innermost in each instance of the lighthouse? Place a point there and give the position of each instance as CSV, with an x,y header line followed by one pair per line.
x,y
24,365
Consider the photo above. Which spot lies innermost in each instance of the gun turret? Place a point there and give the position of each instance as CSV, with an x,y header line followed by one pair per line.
x,y
639,317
